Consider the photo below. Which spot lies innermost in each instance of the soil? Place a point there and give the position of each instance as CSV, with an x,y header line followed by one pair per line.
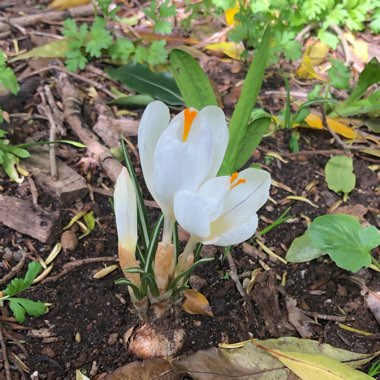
x,y
88,319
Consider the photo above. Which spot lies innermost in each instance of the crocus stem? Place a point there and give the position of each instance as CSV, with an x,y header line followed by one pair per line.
x,y
168,229
186,258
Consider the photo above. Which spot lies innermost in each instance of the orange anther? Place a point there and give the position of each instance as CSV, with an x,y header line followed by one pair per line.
x,y
239,182
233,177
189,118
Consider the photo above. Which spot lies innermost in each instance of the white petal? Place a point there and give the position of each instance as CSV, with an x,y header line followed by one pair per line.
x,y
248,197
154,121
214,192
237,222
126,211
214,118
235,235
180,165
192,213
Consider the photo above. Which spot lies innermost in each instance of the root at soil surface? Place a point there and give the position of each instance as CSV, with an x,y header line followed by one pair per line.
x,y
152,341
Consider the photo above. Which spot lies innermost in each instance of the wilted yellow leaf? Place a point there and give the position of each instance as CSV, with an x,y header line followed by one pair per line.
x,y
230,49
315,121
230,13
196,303
61,5
316,367
359,47
314,55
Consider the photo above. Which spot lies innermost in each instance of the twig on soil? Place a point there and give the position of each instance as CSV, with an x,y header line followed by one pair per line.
x,y
73,115
235,277
33,190
16,269
336,318
75,264
343,42
323,152
86,10
58,115
5,355
52,135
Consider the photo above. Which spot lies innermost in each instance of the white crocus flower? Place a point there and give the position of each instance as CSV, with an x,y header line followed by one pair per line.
x,y
126,222
181,154
223,210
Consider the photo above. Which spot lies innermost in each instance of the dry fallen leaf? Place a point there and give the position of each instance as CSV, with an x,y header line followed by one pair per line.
x,y
314,55
156,368
196,303
299,320
359,47
373,303
314,121
230,13
230,49
61,5
315,366
249,362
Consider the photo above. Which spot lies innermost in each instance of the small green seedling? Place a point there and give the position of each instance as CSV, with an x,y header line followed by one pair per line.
x,y
339,174
23,306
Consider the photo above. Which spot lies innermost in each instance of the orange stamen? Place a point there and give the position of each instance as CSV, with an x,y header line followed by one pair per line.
x,y
189,118
239,182
233,177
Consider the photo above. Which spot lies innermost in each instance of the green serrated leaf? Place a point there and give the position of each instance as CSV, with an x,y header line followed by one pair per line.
x,y
191,80
22,306
19,284
9,80
339,174
140,78
163,27
121,49
157,53
99,38
328,38
344,240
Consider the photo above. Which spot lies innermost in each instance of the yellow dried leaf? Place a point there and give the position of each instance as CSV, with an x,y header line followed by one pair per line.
x,y
196,303
230,49
105,271
314,55
315,121
358,46
315,366
61,5
230,13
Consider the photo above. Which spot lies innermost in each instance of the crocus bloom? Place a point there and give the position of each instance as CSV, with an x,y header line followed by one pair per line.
x,y
223,210
181,154
126,222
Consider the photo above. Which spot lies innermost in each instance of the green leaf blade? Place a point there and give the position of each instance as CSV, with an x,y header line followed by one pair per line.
x,y
340,236
240,118
193,83
140,78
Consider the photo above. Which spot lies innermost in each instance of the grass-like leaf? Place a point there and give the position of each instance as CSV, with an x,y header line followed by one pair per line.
x,y
240,118
142,213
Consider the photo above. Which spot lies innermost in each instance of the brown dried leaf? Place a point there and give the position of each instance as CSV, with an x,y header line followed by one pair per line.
x,y
156,368
299,320
196,303
373,303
